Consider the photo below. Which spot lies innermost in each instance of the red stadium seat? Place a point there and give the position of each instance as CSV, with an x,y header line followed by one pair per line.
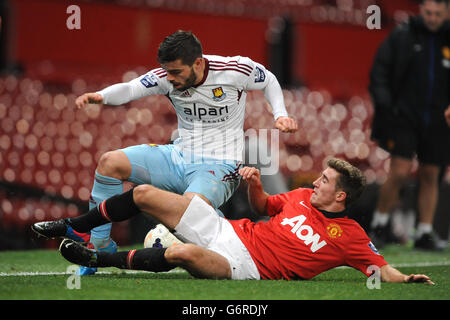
x,y
45,142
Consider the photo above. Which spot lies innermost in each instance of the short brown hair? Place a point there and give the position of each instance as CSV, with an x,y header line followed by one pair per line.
x,y
350,180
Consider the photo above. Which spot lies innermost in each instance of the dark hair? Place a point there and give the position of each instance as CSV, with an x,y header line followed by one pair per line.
x,y
350,180
182,45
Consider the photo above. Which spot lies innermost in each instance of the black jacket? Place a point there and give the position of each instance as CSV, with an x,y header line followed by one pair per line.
x,y
409,79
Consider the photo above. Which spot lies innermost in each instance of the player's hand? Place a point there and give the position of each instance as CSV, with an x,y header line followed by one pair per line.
x,y
418,278
447,115
87,98
286,124
251,175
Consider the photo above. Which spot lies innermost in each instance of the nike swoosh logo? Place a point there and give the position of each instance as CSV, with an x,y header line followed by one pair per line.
x,y
67,245
303,204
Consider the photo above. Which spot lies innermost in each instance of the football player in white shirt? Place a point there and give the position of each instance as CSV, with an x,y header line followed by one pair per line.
x,y
208,94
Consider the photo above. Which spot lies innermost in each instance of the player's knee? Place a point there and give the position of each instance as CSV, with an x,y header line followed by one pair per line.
x,y
398,175
142,194
429,178
114,164
190,195
399,178
400,170
181,254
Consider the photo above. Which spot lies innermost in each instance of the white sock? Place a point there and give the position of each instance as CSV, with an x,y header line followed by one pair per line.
x,y
379,219
423,228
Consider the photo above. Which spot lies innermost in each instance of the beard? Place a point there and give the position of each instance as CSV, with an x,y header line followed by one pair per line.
x,y
190,81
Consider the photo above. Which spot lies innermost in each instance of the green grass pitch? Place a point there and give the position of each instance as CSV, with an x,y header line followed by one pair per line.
x,y
41,275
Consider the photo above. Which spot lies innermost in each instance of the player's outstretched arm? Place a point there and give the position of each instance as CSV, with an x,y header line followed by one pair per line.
x,y
268,83
256,195
390,274
87,98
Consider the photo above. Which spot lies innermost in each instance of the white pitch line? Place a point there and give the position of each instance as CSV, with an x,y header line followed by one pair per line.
x,y
25,274
412,264
421,264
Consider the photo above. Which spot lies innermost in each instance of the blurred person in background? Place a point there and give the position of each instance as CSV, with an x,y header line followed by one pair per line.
x,y
208,93
409,85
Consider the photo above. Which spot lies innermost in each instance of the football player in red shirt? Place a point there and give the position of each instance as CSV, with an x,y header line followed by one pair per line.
x,y
307,233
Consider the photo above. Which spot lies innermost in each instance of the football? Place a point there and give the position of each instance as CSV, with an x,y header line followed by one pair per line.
x,y
160,237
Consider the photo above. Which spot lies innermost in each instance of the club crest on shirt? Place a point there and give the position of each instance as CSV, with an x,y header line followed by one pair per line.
x,y
218,93
446,55
446,52
334,230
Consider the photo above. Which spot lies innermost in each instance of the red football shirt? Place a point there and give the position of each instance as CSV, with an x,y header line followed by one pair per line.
x,y
299,241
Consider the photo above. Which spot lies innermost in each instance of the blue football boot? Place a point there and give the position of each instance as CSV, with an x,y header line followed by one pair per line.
x,y
59,229
110,247
78,236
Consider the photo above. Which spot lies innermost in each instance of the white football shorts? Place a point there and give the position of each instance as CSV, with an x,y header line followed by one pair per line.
x,y
202,226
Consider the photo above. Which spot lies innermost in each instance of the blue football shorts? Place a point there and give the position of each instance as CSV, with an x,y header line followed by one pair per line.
x,y
164,167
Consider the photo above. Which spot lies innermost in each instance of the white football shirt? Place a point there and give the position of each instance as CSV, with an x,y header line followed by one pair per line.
x,y
210,114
